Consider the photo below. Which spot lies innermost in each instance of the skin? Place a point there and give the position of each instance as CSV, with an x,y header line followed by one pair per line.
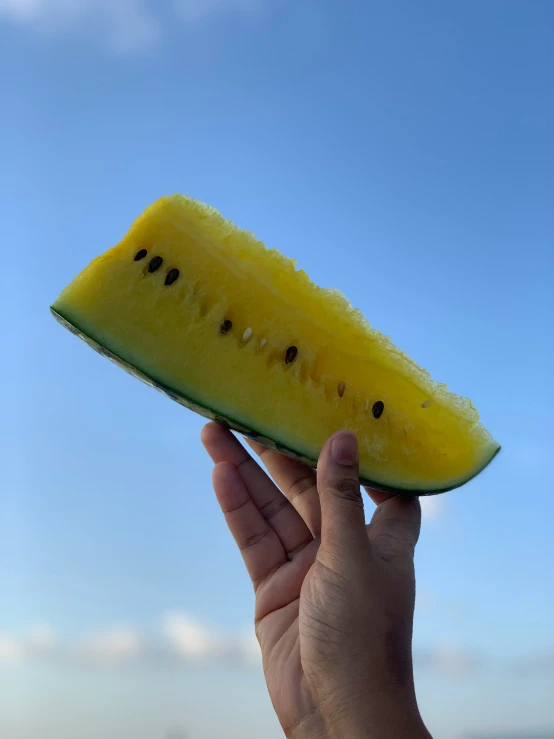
x,y
334,596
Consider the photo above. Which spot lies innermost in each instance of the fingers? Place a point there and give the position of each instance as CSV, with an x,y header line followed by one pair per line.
x,y
285,585
277,511
377,496
395,526
261,548
342,509
296,480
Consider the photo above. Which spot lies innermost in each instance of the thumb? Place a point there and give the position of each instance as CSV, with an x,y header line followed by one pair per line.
x,y
342,509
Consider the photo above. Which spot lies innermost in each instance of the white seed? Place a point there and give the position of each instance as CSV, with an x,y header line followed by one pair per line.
x,y
366,407
247,334
263,342
341,387
427,404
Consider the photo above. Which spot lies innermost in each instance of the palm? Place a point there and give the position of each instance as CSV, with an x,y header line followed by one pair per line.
x,y
279,537
278,632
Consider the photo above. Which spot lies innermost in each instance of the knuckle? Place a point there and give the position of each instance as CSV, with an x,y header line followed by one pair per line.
x,y
254,539
273,507
237,506
348,489
300,486
395,535
393,550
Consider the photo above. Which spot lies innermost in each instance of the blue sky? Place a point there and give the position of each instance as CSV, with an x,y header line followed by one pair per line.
x,y
401,152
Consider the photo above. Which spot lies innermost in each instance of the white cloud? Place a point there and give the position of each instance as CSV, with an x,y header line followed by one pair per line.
x,y
20,9
432,507
449,660
41,639
185,640
180,639
11,649
250,647
189,638
128,26
38,641
113,645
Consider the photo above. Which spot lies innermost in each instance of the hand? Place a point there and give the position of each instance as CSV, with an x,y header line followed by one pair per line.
x,y
334,597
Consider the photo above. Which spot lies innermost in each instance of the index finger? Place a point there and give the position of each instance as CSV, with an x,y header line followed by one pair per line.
x,y
296,480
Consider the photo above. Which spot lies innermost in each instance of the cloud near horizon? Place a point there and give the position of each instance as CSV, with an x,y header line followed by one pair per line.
x,y
126,26
179,639
182,640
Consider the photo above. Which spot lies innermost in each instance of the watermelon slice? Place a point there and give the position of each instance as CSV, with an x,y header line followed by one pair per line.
x,y
207,314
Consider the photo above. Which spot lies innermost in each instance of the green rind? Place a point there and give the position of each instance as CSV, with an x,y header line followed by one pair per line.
x,y
197,407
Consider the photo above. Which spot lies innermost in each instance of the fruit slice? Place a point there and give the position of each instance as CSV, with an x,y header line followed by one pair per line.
x,y
205,313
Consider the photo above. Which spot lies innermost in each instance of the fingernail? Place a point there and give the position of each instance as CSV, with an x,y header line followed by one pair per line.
x,y
344,449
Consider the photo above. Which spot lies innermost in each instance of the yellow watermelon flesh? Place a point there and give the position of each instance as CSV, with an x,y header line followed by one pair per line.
x,y
210,316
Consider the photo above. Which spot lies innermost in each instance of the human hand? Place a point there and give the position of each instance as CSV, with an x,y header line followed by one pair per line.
x,y
334,597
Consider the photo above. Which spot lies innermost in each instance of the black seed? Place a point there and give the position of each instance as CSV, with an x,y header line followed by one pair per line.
x,y
290,355
341,387
155,264
225,327
378,409
172,275
140,255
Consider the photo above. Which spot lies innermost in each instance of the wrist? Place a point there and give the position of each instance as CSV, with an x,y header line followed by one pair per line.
x,y
386,716
311,726
412,727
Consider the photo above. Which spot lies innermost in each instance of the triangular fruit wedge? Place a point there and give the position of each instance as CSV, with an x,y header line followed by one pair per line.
x,y
206,313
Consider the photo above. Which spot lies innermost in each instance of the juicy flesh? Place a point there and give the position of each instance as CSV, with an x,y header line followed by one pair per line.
x,y
426,439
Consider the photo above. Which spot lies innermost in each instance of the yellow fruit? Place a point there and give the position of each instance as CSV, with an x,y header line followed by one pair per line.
x,y
206,313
